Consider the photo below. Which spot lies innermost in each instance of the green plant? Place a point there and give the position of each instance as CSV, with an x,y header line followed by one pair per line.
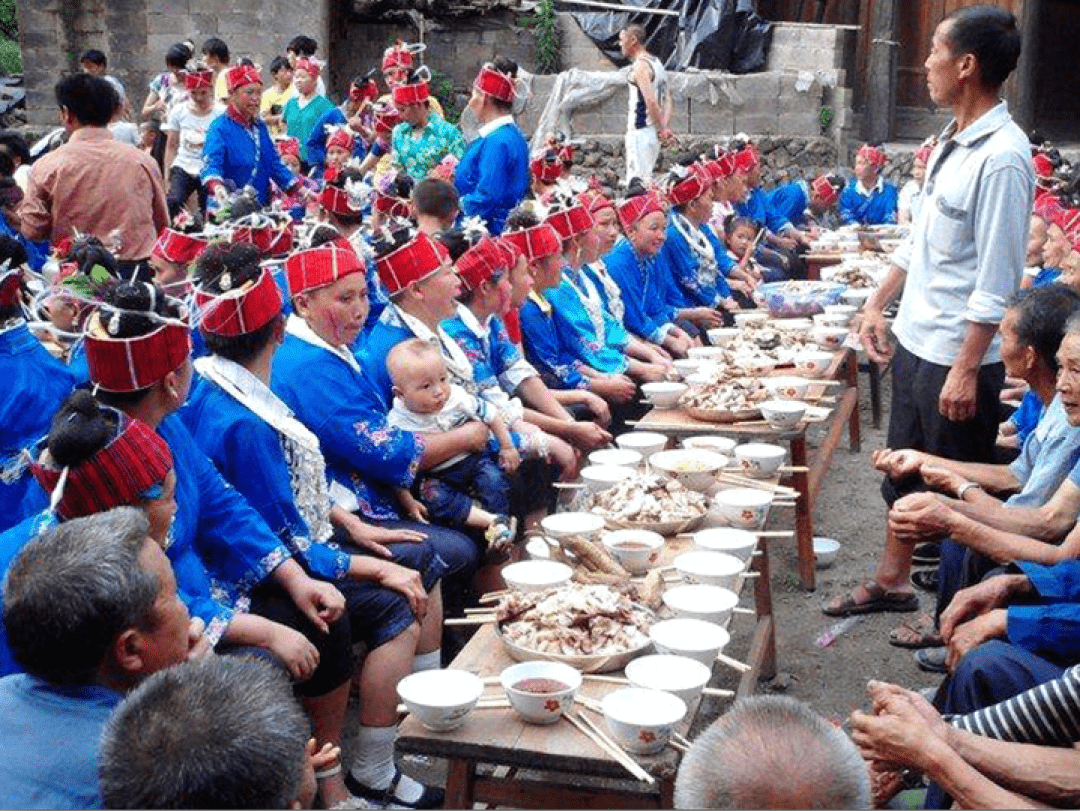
x,y
825,116
545,26
442,88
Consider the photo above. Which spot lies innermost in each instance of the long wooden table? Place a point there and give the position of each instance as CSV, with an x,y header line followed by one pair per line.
x,y
488,753
808,472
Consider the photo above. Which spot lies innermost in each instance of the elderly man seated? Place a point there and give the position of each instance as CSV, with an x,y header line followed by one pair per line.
x,y
90,609
234,733
983,531
1018,754
772,752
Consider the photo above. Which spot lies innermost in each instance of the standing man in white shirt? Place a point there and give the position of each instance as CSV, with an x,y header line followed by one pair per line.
x,y
650,105
957,270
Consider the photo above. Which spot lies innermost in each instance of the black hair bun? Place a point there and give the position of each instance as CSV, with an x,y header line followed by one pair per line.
x,y
80,429
226,266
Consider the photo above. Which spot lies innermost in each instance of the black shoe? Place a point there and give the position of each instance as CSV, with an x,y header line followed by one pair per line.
x,y
432,796
926,554
932,660
925,579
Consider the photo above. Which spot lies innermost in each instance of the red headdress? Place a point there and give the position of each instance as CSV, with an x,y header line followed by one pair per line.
x,y
306,63
367,91
1048,208
696,182
136,363
118,475
179,248
1069,221
746,160
392,206
484,260
342,137
240,311
1044,167
320,267
10,285
198,78
874,155
495,84
271,240
386,118
411,93
288,146
634,208
412,262
536,242
337,201
548,167
572,221
240,75
595,200
826,190
398,55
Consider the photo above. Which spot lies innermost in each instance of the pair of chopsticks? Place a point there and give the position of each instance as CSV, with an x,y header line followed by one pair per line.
x,y
593,704
590,730
676,741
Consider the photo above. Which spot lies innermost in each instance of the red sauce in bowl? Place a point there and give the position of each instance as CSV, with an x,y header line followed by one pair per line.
x,y
538,685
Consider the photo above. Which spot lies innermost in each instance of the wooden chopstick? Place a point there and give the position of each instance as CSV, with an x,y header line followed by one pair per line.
x,y
605,679
794,469
675,736
476,619
717,692
740,610
494,596
609,747
735,664
678,747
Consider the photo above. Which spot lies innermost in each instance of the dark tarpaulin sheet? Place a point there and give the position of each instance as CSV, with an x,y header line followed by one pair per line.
x,y
708,34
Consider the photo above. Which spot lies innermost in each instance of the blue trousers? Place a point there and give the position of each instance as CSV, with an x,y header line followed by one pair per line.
x,y
959,568
989,674
448,493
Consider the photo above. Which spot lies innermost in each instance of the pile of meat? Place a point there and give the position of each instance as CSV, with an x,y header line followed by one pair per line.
x,y
852,276
574,620
648,499
735,395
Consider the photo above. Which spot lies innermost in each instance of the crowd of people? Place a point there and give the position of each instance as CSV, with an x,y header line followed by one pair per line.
x,y
288,377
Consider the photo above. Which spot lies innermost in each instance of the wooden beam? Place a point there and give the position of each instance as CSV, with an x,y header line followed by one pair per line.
x,y
881,87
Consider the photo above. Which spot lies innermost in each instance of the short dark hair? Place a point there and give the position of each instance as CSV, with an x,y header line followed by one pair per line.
x,y
636,31
233,735
94,57
734,222
277,63
90,99
216,48
17,144
436,198
991,35
302,46
241,261
178,55
1042,319
71,591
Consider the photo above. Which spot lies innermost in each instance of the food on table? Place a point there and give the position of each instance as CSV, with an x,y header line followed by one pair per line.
x,y
852,276
538,685
646,499
734,395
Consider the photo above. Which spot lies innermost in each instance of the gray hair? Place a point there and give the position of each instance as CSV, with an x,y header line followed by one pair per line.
x,y
772,752
73,590
224,732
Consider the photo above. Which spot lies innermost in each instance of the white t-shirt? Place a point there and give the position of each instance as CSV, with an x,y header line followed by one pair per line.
x,y
192,135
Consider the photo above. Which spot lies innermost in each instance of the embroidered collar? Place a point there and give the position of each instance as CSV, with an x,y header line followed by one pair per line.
x,y
456,361
299,327
491,126
472,323
541,302
865,192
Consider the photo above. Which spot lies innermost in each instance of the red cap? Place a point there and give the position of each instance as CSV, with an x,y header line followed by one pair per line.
x,y
1069,220
10,286
536,242
874,155
595,200
173,246
320,267
634,208
1044,167
547,168
288,146
397,56
310,65
368,91
342,137
386,118
240,311
484,260
412,262
269,240
746,160
571,221
695,184
497,85
132,364
198,78
337,201
416,93
240,75
392,206
116,476
825,190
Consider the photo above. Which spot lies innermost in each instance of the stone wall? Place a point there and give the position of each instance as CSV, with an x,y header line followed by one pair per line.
x,y
136,33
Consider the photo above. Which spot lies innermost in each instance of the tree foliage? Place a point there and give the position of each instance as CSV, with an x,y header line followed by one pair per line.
x,y
9,21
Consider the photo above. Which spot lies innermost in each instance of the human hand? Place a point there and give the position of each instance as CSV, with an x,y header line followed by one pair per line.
x,y
942,479
897,464
407,582
320,601
587,436
706,317
563,455
897,735
874,334
958,395
199,644
990,594
294,651
967,635
416,511
321,759
619,388
372,538
509,459
884,695
920,515
474,436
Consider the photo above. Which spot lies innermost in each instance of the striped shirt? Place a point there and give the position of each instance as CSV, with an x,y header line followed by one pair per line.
x,y
1048,714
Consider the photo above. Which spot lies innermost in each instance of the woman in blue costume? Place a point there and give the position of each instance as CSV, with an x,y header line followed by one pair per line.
x,y
274,462
642,279
239,151
870,200
347,113
318,377
809,206
493,175
35,384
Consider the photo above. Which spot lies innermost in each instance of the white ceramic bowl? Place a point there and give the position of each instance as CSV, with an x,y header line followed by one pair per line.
x,y
663,394
636,550
615,456
706,353
561,525
825,551
737,542
540,707
830,337
856,296
813,363
536,575
847,310
718,444
692,467
710,568
689,366
640,720
793,324
722,336
744,507
598,478
758,364
783,414
786,387
701,602
760,460
440,699
538,549
679,675
832,320
685,636
752,317
644,442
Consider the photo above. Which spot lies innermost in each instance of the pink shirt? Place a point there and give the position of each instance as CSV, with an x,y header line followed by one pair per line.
x,y
95,184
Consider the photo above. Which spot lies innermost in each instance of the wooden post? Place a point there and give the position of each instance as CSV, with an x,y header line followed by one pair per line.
x,y
881,89
1021,86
